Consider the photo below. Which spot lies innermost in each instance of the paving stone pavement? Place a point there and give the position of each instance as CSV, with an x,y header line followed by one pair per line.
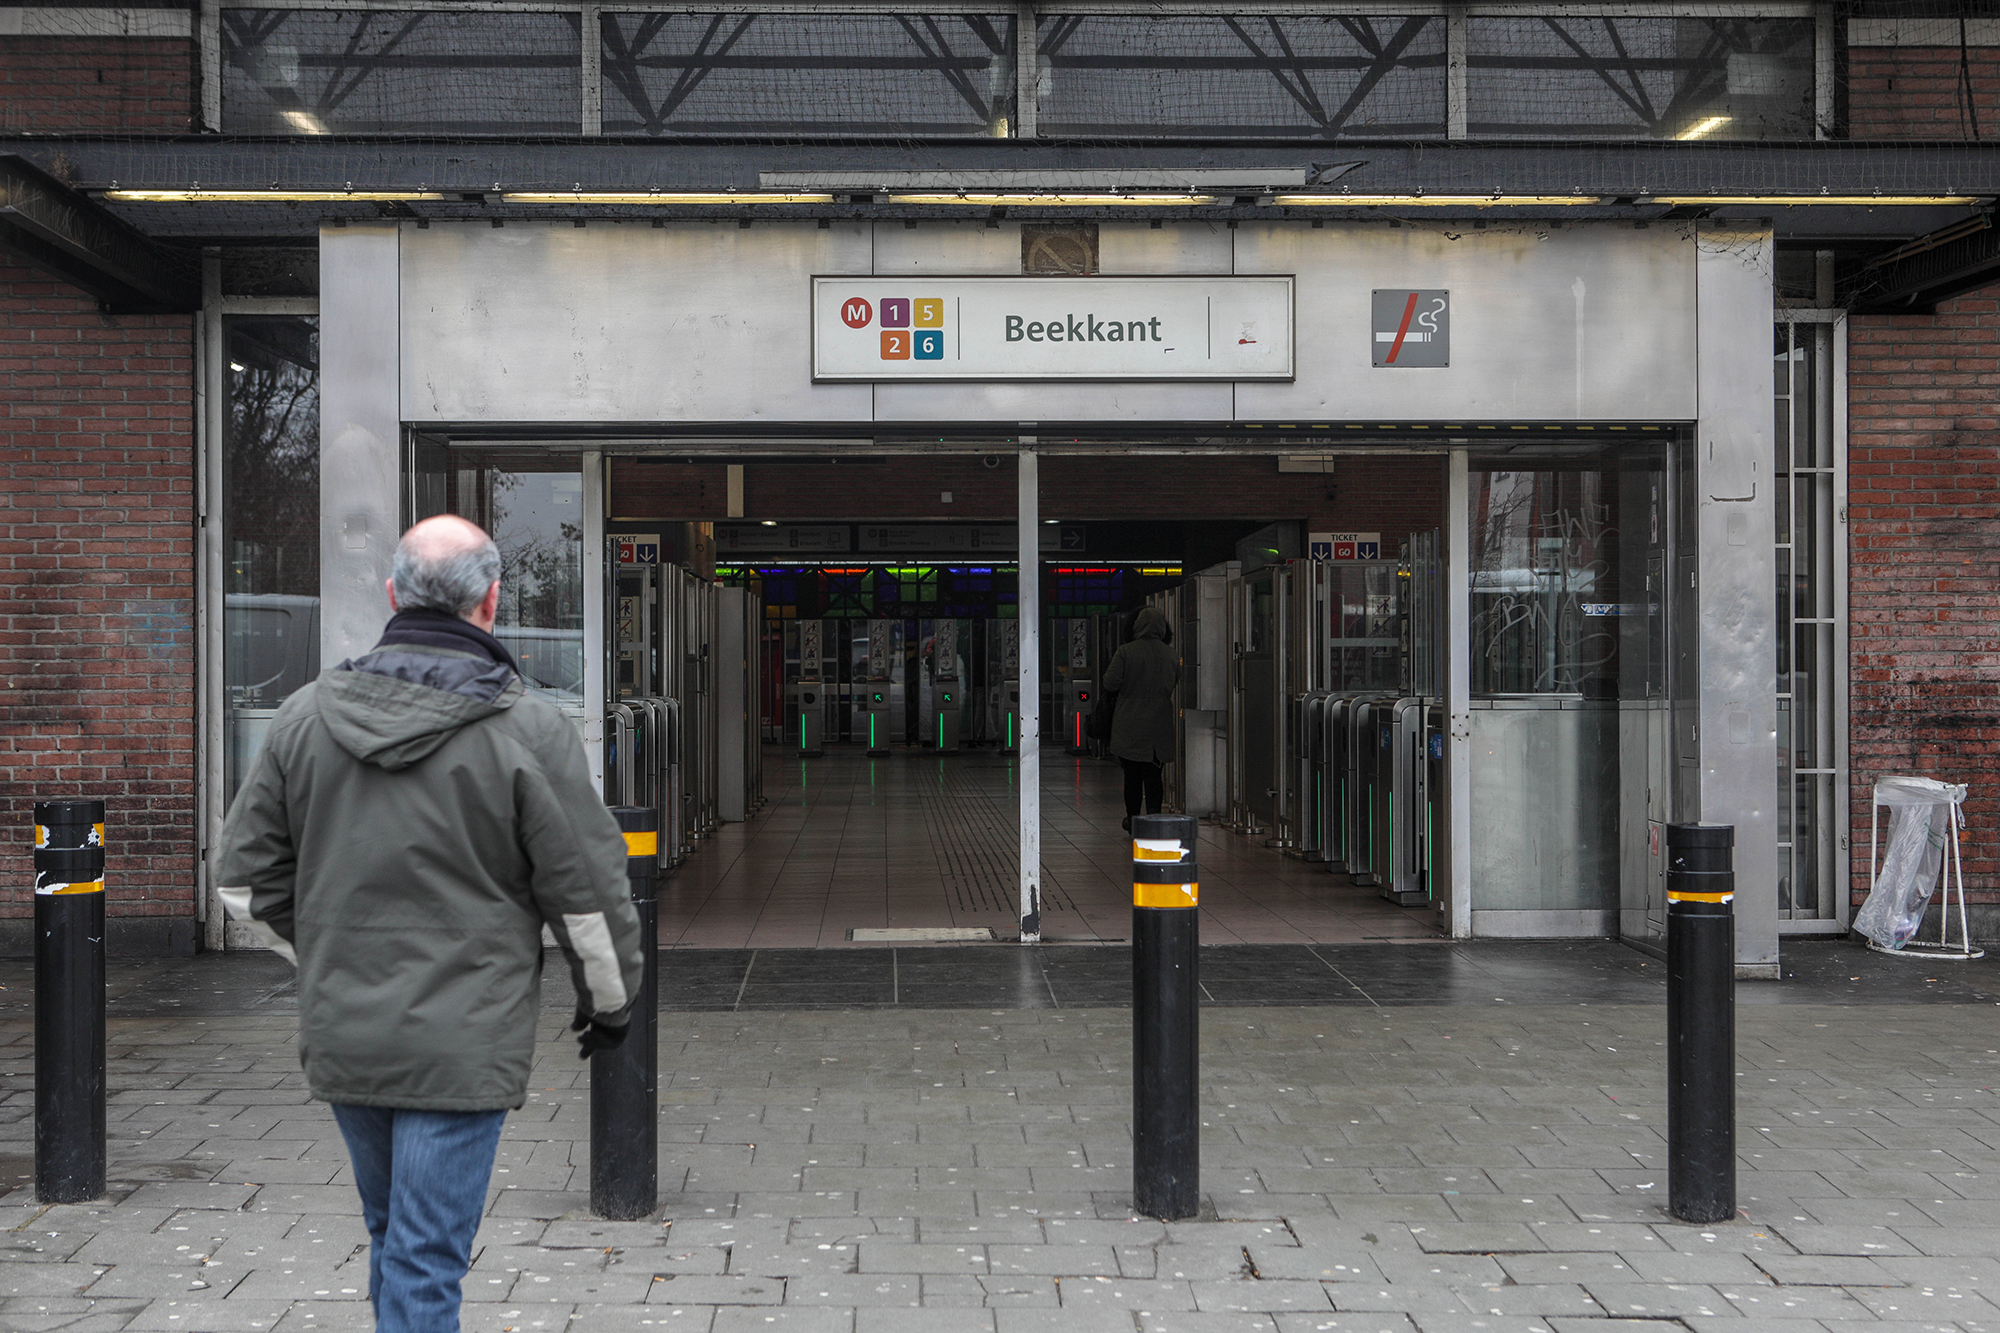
x,y
1391,1170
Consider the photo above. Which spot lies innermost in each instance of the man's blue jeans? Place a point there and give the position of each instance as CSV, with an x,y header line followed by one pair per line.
x,y
423,1178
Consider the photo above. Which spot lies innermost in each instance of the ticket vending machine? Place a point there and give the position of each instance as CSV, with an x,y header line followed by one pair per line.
x,y
877,686
946,688
809,693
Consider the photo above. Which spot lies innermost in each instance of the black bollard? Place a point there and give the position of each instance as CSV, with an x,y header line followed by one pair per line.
x,y
624,1081
1166,1114
69,1001
1701,1022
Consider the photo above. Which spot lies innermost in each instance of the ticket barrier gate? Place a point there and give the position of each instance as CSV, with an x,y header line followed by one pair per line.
x,y
1306,801
877,701
642,767
1367,716
809,707
948,704
1079,697
1399,744
1336,804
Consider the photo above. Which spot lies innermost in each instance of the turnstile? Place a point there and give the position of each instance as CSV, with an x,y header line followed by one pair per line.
x,y
1073,656
1336,808
808,693
1006,689
1367,743
1306,797
878,691
947,687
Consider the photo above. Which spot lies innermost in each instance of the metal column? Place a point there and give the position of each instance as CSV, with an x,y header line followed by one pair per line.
x,y
1029,611
1458,692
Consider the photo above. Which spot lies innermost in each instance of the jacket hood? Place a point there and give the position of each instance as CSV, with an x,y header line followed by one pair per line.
x,y
1150,623
395,706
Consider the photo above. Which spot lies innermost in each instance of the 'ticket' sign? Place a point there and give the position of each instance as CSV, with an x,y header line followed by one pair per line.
x,y
1006,328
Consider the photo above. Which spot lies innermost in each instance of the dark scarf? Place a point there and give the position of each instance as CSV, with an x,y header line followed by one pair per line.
x,y
420,628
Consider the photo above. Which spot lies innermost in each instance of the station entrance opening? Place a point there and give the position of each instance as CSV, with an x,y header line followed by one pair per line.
x,y
819,681
825,532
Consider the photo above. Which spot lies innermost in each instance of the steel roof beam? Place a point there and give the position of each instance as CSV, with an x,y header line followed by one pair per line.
x,y
45,223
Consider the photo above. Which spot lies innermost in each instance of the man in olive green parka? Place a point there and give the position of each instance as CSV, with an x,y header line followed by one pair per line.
x,y
414,820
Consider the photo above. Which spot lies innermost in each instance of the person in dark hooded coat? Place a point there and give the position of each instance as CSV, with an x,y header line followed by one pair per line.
x,y
1143,674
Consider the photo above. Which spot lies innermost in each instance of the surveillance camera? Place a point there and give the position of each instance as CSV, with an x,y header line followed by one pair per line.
x,y
993,460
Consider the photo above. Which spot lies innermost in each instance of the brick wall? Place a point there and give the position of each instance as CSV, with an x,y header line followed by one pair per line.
x,y
1915,92
96,596
1924,569
123,84
1373,494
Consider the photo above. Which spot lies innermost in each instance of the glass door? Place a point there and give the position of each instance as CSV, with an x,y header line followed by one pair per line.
x,y
545,510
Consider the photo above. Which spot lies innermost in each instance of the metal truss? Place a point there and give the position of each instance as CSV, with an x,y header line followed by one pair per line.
x,y
1268,44
706,45
694,68
1601,47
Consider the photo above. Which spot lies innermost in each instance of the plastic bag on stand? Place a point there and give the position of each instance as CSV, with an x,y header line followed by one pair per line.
x,y
1919,826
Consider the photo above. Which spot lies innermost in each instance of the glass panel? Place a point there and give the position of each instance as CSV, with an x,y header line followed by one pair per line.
x,y
1805,546
1546,598
1805,697
270,526
1784,566
1225,76
329,71
534,509
832,73
1806,371
1262,604
1806,838
1367,626
1640,77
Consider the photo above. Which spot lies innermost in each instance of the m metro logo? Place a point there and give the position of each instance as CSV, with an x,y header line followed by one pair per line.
x,y
911,327
1410,327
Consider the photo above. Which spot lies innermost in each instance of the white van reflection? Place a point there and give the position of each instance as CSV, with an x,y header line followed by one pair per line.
x,y
551,660
272,648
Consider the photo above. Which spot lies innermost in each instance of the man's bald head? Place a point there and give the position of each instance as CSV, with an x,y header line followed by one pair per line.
x,y
444,564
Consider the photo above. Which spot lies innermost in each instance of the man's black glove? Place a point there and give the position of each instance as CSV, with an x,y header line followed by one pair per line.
x,y
598,1035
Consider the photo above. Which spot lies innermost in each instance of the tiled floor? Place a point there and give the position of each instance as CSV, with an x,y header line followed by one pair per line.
x,y
915,840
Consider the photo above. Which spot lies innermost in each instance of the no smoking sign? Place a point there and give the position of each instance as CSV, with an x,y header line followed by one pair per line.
x,y
1411,327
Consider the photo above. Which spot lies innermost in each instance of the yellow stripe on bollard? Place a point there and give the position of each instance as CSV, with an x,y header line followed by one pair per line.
x,y
92,886
642,844
1155,850
43,834
1166,895
1673,897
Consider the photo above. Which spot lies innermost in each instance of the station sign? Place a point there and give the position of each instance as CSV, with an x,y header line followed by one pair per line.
x,y
635,548
1344,545
927,538
812,538
1049,328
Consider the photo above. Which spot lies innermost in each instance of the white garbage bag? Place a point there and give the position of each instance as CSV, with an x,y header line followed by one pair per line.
x,y
1920,817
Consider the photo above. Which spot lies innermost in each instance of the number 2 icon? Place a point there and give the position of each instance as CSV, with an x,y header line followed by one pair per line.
x,y
895,345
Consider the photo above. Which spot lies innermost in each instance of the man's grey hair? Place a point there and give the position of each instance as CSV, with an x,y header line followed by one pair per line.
x,y
453,584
